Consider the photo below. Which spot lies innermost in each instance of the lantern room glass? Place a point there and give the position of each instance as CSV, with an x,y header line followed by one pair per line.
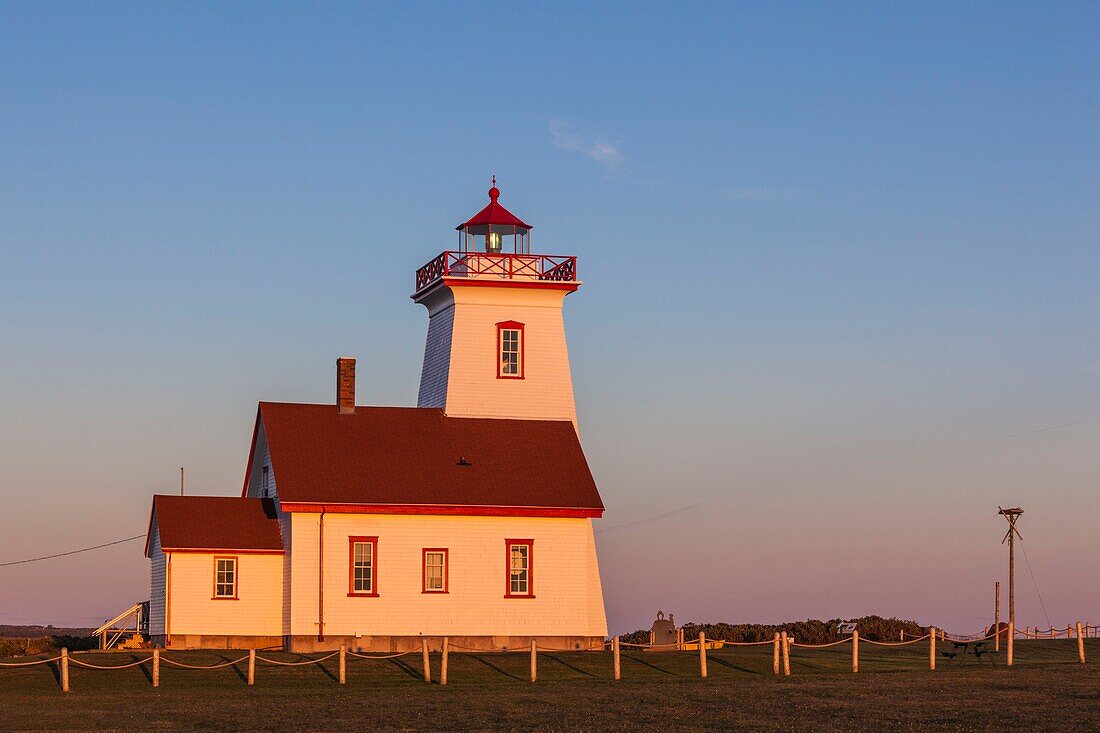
x,y
495,239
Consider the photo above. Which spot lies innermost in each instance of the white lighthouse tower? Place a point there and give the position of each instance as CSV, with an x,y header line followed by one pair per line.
x,y
496,338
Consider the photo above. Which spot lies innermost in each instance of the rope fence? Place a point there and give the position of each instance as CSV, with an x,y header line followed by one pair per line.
x,y
781,644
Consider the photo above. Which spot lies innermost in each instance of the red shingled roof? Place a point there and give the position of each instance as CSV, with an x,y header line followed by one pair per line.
x,y
411,456
215,523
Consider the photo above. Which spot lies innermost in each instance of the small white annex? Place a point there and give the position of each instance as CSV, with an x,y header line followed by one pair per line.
x,y
468,516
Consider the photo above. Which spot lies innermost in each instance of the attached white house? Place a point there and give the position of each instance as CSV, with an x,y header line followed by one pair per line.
x,y
468,516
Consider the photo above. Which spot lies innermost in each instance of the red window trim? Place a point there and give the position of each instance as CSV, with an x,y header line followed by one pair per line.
x,y
424,569
508,568
513,326
236,579
352,593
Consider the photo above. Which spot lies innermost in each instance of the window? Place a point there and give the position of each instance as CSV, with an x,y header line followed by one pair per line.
x,y
225,578
363,566
435,570
510,348
519,569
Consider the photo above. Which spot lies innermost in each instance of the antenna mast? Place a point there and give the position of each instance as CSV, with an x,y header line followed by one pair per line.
x,y
1011,515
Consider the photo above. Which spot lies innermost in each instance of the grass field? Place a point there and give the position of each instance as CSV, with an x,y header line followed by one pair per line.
x,y
1045,690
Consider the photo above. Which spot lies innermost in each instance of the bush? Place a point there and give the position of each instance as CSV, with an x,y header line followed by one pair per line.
x,y
811,631
75,643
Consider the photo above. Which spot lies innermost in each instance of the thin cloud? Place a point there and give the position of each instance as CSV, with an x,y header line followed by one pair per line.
x,y
595,148
1046,429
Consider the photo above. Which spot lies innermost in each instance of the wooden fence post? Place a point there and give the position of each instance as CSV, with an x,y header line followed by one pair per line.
x,y
443,665
932,649
775,654
702,655
343,664
64,669
901,635
427,661
251,666
786,655
156,668
1080,644
534,662
1011,640
855,651
615,653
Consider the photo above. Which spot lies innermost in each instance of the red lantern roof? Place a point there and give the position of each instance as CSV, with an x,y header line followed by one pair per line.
x,y
493,215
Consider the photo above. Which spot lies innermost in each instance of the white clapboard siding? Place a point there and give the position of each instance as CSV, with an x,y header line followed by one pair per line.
x,y
470,352
437,354
156,584
257,610
565,575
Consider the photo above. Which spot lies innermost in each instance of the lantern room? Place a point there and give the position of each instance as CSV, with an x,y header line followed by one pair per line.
x,y
494,230
495,244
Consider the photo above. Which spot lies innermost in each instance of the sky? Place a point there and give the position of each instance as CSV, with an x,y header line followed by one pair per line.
x,y
840,272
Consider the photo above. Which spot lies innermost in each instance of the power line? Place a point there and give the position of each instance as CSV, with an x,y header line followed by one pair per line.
x,y
1030,572
71,552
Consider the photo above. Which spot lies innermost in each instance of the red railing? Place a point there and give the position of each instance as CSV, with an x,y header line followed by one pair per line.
x,y
497,265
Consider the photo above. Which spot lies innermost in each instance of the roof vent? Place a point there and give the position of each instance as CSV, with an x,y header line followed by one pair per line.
x,y
463,462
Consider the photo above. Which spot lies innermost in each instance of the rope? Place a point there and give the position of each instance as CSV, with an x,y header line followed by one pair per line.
x,y
295,664
488,651
29,664
384,656
769,642
648,646
109,666
822,646
893,643
967,641
174,663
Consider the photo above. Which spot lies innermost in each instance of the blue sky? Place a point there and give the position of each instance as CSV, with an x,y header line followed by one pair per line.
x,y
840,269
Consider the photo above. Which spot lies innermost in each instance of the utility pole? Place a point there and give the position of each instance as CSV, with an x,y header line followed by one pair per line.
x,y
997,616
181,480
1011,515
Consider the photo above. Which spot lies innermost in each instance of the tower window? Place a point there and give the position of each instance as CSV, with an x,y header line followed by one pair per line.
x,y
510,350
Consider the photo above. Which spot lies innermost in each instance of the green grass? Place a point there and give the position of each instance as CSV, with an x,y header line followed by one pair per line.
x,y
1045,690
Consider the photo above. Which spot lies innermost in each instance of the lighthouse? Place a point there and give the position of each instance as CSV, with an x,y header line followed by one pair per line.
x,y
375,528
496,336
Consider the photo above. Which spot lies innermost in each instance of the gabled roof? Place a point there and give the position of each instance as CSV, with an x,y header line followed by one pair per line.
x,y
417,457
494,214
215,523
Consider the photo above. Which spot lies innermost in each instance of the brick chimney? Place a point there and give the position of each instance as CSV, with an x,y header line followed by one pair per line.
x,y
345,385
